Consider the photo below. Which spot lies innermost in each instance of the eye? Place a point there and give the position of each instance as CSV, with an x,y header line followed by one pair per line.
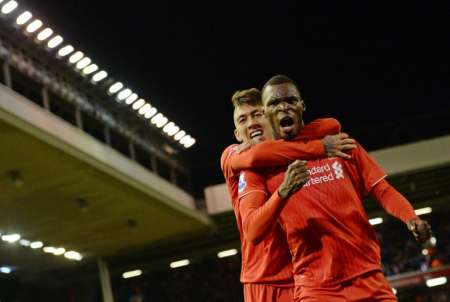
x,y
241,120
258,114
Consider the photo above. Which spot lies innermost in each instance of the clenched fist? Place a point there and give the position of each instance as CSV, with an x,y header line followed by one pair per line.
x,y
296,176
420,229
336,145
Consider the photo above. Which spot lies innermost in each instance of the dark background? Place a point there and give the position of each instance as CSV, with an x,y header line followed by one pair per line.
x,y
381,68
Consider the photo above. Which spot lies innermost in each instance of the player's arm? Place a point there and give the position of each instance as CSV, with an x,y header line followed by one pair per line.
x,y
259,214
387,196
280,152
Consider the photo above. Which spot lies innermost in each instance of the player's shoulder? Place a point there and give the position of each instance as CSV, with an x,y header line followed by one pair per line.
x,y
226,154
329,124
249,181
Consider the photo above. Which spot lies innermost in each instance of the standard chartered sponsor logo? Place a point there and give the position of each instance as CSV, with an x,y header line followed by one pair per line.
x,y
338,170
325,173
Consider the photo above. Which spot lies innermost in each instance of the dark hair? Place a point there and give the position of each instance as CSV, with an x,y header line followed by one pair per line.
x,y
279,79
250,96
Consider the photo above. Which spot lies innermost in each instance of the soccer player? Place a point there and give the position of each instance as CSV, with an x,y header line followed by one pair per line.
x,y
266,266
335,252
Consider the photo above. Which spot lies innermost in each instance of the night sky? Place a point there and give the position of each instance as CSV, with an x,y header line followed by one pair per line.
x,y
381,68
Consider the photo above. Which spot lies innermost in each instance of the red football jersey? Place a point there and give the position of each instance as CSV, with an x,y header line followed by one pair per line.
x,y
270,261
327,229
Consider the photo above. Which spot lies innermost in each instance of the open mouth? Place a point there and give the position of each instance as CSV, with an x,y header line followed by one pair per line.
x,y
287,124
256,133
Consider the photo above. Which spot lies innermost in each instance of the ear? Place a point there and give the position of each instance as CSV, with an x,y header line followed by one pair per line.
x,y
303,105
238,137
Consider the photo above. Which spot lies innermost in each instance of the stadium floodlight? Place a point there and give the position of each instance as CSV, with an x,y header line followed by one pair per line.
x,y
24,242
131,99
138,104
162,122
436,281
23,18
159,120
90,69
66,50
375,221
190,143
394,290
179,135
227,253
36,245
83,63
124,94
144,109
76,57
11,238
170,129
9,7
150,113
33,26
185,139
59,251
72,255
99,76
49,249
423,211
179,263
45,34
55,41
115,87
132,274
5,270
425,252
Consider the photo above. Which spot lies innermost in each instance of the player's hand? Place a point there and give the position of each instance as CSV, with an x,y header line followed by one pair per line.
x,y
336,145
296,176
244,146
420,229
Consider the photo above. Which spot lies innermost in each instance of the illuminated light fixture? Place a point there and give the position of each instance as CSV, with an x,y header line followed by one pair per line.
x,y
36,245
132,274
394,290
45,34
55,41
179,135
433,241
170,129
124,94
425,252
185,139
150,113
59,251
76,57
24,242
131,99
179,263
9,7
11,238
159,120
138,104
436,281
90,69
5,270
68,49
72,255
83,63
144,109
423,211
99,76
24,18
115,87
49,249
190,143
227,253
33,26
375,221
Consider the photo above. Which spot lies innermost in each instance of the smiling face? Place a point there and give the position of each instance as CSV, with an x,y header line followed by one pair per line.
x,y
284,108
251,124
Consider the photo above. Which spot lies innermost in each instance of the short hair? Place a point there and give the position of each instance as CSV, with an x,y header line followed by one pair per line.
x,y
250,96
279,79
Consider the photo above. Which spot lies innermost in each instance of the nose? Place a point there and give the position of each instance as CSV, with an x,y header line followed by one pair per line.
x,y
283,106
253,123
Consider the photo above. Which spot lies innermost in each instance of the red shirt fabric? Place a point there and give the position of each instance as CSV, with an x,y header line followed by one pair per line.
x,y
269,261
328,232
